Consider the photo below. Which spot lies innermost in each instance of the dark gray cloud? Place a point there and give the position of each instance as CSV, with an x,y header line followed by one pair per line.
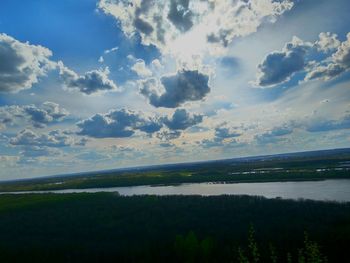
x,y
143,26
221,37
118,123
166,135
21,64
91,82
182,119
184,86
180,14
279,66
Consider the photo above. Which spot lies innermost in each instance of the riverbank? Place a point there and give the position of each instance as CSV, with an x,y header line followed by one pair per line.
x,y
321,190
297,167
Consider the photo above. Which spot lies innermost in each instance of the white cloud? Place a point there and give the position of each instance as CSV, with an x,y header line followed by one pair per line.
x,y
342,55
327,42
334,65
185,28
54,138
21,64
140,69
91,82
47,113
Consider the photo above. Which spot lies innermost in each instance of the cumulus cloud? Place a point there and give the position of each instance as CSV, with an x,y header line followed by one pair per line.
x,y
21,64
54,138
182,119
9,114
279,66
117,124
176,89
91,82
49,112
342,55
40,116
140,69
168,24
325,72
333,66
327,42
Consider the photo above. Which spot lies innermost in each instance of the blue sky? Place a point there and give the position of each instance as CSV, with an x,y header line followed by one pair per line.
x,y
100,84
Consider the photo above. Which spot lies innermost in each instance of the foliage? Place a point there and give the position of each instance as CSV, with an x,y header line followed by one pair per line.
x,y
105,227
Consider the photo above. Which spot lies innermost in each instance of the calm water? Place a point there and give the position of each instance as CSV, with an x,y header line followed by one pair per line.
x,y
334,190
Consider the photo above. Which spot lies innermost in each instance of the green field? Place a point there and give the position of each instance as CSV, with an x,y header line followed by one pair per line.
x,y
105,227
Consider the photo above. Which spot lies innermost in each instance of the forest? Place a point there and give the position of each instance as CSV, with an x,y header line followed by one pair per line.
x,y
107,227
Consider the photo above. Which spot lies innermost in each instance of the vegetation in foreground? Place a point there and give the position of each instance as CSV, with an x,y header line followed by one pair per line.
x,y
105,227
303,166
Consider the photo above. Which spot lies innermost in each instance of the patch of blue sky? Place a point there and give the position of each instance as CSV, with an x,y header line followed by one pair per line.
x,y
74,31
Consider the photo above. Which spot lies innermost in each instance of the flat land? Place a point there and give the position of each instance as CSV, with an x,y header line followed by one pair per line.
x,y
333,164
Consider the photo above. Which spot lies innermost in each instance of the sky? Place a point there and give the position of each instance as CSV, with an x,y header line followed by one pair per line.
x,y
102,84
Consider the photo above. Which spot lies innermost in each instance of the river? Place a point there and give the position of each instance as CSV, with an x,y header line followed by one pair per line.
x,y
330,190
